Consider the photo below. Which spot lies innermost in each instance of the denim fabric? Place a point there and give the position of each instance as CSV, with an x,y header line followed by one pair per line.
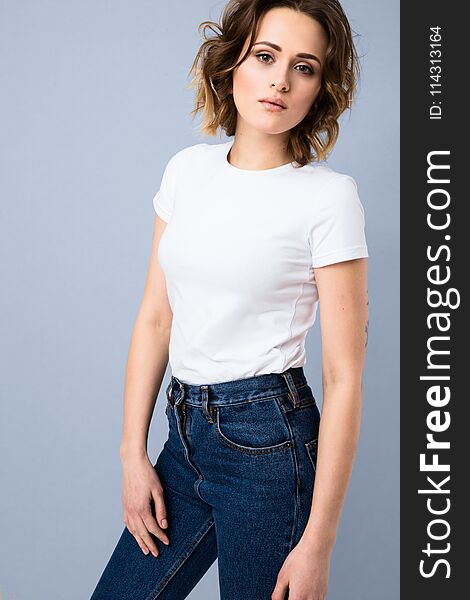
x,y
238,471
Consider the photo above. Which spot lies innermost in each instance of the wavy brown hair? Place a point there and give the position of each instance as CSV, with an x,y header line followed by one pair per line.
x,y
314,137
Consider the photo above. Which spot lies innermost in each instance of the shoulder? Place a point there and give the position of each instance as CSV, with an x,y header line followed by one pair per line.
x,y
188,156
337,228
333,201
319,181
326,177
336,189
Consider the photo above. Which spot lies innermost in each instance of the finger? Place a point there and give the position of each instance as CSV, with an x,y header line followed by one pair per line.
x,y
160,509
140,532
279,592
141,544
147,538
152,526
130,526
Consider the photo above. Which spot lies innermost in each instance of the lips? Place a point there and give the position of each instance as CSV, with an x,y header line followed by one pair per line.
x,y
274,101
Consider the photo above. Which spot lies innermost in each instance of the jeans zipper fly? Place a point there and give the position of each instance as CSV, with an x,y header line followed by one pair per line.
x,y
183,410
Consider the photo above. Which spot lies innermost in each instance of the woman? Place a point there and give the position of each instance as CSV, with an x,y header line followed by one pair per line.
x,y
248,237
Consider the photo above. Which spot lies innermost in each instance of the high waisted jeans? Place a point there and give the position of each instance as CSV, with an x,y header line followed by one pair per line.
x,y
238,471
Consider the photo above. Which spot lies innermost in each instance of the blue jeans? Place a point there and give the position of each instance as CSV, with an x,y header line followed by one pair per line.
x,y
238,471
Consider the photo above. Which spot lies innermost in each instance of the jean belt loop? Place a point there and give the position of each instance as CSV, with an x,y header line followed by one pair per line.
x,y
169,391
205,401
293,393
180,398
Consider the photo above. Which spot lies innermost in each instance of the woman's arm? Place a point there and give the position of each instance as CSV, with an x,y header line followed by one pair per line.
x,y
146,365
148,355
342,289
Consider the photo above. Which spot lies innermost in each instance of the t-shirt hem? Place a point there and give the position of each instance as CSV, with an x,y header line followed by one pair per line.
x,y
340,256
164,214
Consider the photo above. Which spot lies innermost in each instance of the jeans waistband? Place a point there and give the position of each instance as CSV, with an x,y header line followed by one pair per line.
x,y
231,392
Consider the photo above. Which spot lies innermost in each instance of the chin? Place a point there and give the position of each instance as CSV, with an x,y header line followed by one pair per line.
x,y
269,128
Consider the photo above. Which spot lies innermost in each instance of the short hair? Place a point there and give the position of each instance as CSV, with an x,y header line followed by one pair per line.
x,y
314,137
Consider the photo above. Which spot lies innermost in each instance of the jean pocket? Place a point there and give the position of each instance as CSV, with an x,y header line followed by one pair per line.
x,y
257,427
312,452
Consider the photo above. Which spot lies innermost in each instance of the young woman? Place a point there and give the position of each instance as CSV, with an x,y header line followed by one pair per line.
x,y
249,236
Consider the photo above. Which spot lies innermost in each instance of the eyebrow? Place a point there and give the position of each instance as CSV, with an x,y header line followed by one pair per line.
x,y
300,55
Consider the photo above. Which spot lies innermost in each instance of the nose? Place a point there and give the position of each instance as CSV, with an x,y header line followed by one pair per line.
x,y
281,79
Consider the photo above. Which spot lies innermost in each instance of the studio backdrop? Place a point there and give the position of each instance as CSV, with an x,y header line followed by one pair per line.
x,y
95,100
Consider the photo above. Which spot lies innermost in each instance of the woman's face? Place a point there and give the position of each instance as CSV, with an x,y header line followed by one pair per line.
x,y
283,35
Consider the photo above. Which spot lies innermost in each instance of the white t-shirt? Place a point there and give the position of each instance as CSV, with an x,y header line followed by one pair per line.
x,y
239,252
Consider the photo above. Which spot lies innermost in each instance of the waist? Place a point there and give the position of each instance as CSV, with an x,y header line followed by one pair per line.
x,y
249,389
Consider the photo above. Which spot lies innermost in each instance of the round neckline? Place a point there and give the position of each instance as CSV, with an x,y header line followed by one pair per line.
x,y
227,146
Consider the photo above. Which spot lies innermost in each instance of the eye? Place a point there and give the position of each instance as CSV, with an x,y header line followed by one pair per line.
x,y
307,68
309,71
263,54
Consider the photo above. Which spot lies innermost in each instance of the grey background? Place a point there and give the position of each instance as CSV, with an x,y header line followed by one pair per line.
x,y
94,101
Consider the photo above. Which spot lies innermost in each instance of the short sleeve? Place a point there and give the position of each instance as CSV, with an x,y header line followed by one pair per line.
x,y
338,231
164,199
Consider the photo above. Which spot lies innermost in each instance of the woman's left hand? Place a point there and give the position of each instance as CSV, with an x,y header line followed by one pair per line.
x,y
304,573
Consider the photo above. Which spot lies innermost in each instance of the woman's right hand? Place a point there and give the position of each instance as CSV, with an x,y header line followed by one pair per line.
x,y
141,485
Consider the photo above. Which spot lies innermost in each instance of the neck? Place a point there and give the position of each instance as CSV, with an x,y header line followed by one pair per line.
x,y
257,150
